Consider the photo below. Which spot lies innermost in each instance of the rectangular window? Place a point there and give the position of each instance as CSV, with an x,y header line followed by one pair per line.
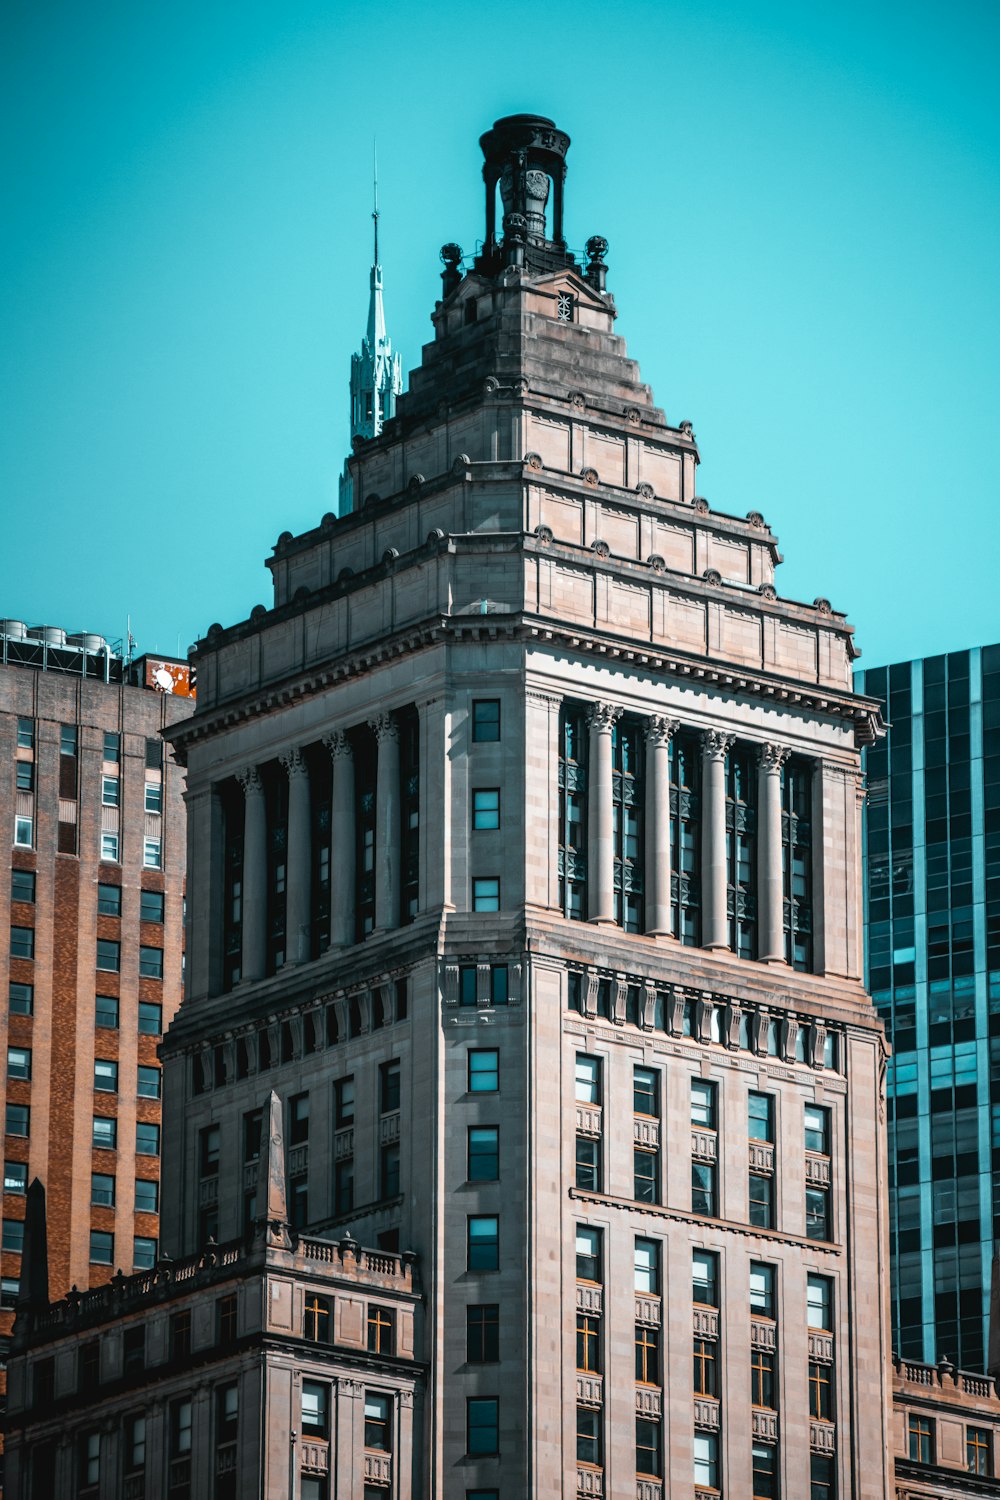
x,y
703,1184
468,985
822,1477
18,1062
574,748
819,1303
316,1318
23,833
486,808
343,1185
147,1139
818,1213
147,1196
105,1133
482,1333
343,1097
106,1012
315,1407
703,1103
22,942
109,900
705,1278
102,1248
483,1245
154,755
226,1320
627,798
762,1384
88,1366
485,721
151,854
22,998
26,734
133,1348
588,1253
105,1076
388,1087
761,1201
180,1429
706,1460
741,850
588,1164
67,739
484,1070
588,1079
153,796
646,1092
13,1236
498,984
483,1153
378,1422
143,1253
645,1175
486,894
685,837
817,1129
22,885
920,1434
109,848
647,1354
589,1436
15,1177
150,1018
796,838
151,906
227,1412
135,1445
979,1450
588,1343
25,776
109,956
765,1472
389,1171
648,1447
18,1120
762,1303
760,1117
149,1083
820,1391
647,1267
706,1368
102,1189
253,1124
112,747
151,963
89,1460
109,791
209,1145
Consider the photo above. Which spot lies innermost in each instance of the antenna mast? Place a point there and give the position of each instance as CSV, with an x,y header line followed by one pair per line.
x,y
375,193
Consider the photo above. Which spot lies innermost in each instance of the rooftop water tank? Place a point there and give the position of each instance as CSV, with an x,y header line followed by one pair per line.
x,y
50,635
14,630
86,641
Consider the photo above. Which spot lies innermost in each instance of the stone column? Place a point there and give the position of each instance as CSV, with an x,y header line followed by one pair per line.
x,y
601,839
387,852
206,880
254,875
658,735
715,933
343,840
770,876
298,913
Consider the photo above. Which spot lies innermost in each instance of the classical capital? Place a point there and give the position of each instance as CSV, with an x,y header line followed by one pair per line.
x,y
601,716
773,757
338,744
384,726
660,730
294,763
716,743
249,780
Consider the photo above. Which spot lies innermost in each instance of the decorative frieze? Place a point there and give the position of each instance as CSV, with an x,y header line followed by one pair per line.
x,y
706,1413
648,1310
589,1299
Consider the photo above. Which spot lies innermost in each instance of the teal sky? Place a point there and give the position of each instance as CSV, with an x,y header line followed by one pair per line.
x,y
804,218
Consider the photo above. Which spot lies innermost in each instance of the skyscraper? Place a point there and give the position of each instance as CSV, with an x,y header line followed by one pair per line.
x,y
932,881
525,936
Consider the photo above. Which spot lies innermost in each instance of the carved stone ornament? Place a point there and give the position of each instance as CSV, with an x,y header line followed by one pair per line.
x,y
345,574
294,763
823,606
521,385
660,730
600,548
259,612
712,575
384,727
328,522
632,414
435,538
755,518
416,484
645,490
768,591
687,429
601,716
773,757
589,476
249,780
533,460
461,463
716,743
577,399
390,557
543,534
214,631
300,594
657,563
700,504
490,385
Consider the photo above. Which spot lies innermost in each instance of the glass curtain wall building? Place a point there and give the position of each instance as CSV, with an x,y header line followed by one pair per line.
x,y
932,924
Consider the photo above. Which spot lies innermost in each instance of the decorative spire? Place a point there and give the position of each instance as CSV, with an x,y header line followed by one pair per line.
x,y
376,372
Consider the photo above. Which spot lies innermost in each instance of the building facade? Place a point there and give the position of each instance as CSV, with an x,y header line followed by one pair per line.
x,y
932,884
92,902
524,880
945,1432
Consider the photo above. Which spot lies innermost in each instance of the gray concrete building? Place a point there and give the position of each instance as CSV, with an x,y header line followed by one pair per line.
x,y
524,869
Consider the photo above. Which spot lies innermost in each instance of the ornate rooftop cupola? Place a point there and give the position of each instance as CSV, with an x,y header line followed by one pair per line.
x,y
376,372
525,158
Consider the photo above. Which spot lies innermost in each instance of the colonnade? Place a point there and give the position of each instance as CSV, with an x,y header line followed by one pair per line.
x,y
715,745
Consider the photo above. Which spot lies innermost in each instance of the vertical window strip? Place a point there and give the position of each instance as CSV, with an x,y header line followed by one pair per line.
x,y
796,860
573,755
685,838
628,785
741,851
409,778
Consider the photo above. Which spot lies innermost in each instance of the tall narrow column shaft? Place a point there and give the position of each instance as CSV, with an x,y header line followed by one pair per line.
x,y
254,913
658,865
387,851
343,841
601,811
298,919
770,875
715,926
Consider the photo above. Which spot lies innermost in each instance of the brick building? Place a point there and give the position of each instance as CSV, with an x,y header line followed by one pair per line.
x,y
91,960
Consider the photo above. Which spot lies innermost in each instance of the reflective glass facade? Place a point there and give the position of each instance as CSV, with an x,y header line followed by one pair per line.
x,y
932,927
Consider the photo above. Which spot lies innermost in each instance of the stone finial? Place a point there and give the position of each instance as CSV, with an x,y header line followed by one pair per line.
x,y
276,1207
34,1288
993,1348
